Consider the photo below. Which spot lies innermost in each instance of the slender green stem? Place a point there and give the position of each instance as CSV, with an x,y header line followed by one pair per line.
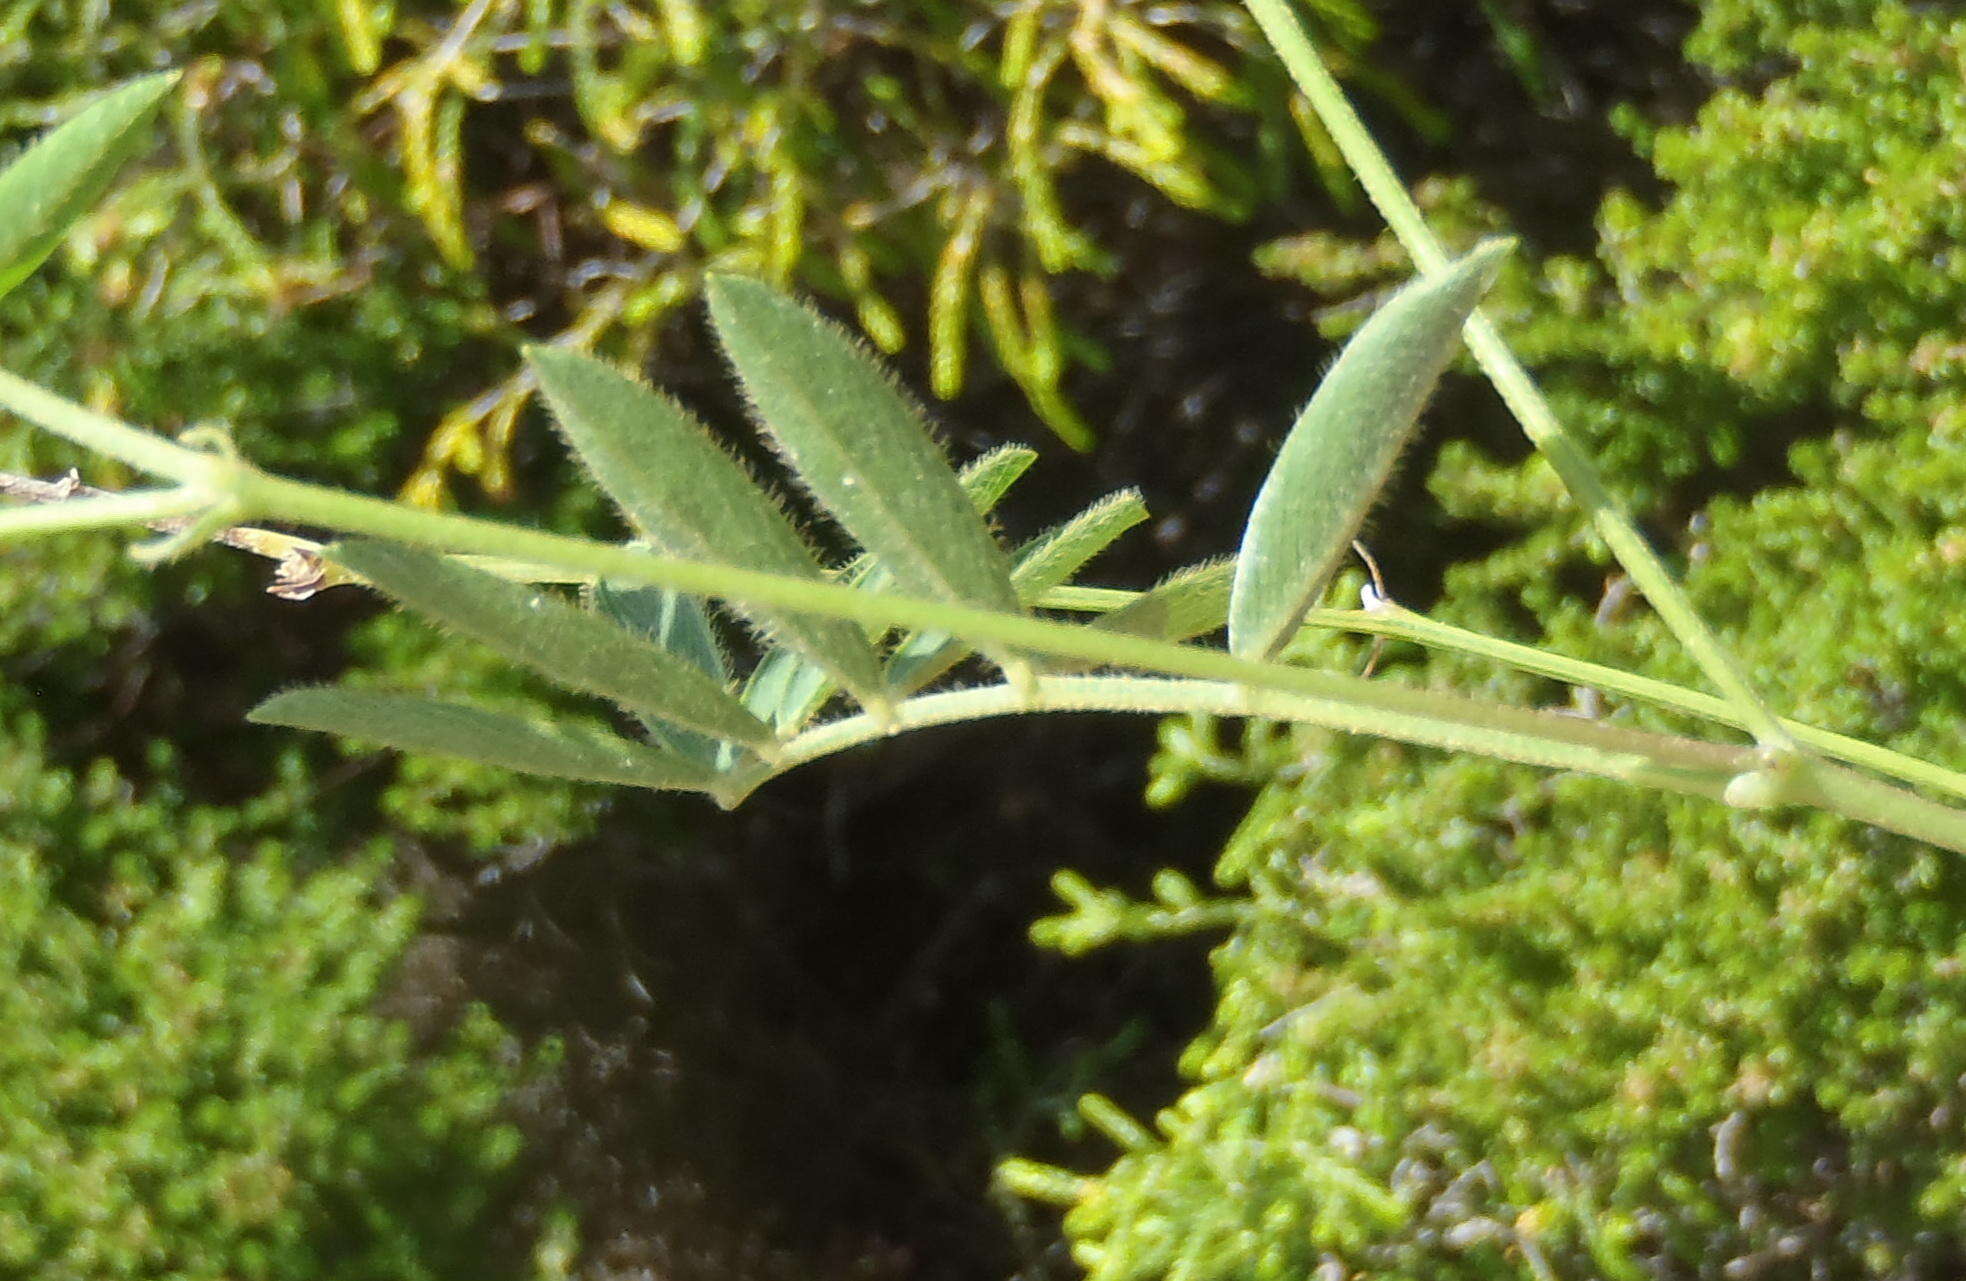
x,y
1538,421
1866,800
1403,624
1650,760
143,450
110,511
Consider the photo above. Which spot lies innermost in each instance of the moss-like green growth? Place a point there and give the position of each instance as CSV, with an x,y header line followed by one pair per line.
x,y
194,1078
1480,1023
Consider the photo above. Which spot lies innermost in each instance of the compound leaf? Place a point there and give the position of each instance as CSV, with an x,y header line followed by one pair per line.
x,y
860,446
692,500
569,646
59,178
412,723
1342,448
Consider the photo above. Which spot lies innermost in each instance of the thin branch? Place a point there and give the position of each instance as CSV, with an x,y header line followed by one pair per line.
x,y
304,568
1652,760
112,511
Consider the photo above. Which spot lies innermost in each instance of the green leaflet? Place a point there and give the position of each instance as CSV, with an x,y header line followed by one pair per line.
x,y
412,723
676,621
569,646
1343,447
920,658
691,499
786,691
988,478
55,181
1055,557
1188,603
859,445
1047,561
679,624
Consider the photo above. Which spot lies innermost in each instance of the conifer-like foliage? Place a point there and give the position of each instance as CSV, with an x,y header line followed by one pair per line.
x,y
374,185
195,1078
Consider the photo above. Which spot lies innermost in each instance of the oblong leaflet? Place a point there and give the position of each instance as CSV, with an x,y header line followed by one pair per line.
x,y
859,445
1342,448
60,177
412,723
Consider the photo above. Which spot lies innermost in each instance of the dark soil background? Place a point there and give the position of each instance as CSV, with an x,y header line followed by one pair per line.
x,y
797,1043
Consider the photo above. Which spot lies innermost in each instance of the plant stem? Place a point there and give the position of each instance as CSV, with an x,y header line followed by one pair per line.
x,y
139,508
143,450
215,483
1517,389
1403,624
1649,760
1866,800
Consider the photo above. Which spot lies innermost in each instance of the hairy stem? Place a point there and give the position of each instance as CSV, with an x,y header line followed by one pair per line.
x,y
1403,624
1652,760
1375,707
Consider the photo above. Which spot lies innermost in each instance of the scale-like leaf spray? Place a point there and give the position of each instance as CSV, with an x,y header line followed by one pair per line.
x,y
59,178
1343,447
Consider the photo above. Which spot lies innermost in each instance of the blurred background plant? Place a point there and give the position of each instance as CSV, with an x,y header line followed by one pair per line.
x,y
1477,1024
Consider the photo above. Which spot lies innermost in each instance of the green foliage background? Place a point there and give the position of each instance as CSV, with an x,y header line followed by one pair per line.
x,y
1476,1022
195,1079
364,188
1473,1021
